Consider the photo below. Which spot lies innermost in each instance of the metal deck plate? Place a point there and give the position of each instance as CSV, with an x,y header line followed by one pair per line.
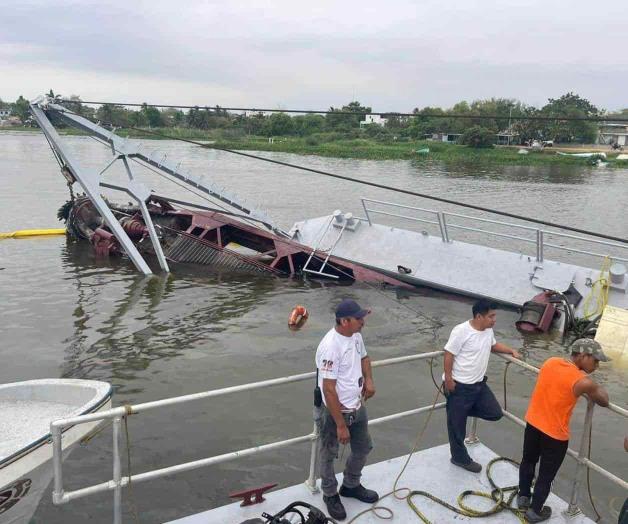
x,y
428,470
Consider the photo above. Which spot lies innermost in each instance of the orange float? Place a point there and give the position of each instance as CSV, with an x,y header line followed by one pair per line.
x,y
297,317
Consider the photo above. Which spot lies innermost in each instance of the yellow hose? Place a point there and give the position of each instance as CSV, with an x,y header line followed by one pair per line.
x,y
32,233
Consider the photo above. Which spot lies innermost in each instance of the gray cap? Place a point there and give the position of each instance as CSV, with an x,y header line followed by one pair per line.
x,y
588,346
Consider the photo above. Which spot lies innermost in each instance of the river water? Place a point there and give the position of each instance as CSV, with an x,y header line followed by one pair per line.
x,y
67,314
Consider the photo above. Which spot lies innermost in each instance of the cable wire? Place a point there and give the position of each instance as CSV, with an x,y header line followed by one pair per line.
x,y
389,188
218,108
394,189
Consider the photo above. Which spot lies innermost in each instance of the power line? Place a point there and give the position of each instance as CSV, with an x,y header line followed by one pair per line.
x,y
388,114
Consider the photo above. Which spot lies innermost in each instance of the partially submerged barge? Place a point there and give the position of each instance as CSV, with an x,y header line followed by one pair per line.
x,y
341,245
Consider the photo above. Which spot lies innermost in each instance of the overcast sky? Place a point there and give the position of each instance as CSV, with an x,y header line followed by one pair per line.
x,y
393,55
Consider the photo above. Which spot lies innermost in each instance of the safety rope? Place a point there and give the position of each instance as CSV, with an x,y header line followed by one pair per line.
x,y
597,299
498,494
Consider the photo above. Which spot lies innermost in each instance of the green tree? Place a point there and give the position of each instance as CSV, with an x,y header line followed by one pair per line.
x,y
478,137
111,114
336,121
279,124
424,123
21,110
570,106
152,115
528,129
306,125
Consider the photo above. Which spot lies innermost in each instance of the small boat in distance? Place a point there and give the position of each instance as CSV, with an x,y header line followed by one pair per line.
x,y
27,410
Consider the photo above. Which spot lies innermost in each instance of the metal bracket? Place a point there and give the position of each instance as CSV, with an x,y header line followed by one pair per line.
x,y
252,496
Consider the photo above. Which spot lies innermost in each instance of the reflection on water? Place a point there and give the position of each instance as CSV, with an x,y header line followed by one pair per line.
x,y
66,313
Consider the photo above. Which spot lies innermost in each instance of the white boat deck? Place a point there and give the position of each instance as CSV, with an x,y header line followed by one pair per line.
x,y
29,407
428,470
520,278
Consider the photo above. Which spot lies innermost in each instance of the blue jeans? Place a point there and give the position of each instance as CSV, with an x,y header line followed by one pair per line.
x,y
468,400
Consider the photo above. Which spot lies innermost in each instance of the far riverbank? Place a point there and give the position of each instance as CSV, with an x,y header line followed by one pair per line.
x,y
366,148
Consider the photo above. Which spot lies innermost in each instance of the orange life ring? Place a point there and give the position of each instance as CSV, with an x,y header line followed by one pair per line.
x,y
297,317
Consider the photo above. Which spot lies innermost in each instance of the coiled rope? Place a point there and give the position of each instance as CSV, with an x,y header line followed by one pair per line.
x,y
501,496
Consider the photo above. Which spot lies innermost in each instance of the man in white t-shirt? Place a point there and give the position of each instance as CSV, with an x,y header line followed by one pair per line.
x,y
466,359
346,381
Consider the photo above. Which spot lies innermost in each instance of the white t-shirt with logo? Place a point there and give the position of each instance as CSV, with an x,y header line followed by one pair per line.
x,y
471,350
340,358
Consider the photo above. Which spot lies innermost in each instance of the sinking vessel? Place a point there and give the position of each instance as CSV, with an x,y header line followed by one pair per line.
x,y
27,410
571,272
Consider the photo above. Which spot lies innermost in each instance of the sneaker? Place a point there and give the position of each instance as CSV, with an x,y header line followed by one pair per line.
x,y
472,466
334,507
533,516
359,492
523,502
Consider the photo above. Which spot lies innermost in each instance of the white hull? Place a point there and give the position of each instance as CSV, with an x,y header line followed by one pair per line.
x,y
24,476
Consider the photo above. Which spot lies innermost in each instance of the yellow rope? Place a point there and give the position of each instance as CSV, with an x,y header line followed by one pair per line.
x,y
598,297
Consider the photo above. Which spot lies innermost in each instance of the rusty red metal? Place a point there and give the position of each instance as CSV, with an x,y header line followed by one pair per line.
x,y
202,237
134,227
104,243
252,496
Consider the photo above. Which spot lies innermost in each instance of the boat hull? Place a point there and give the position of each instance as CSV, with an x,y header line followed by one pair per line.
x,y
25,476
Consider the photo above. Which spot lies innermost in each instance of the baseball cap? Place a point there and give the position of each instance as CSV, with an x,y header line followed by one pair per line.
x,y
588,346
350,308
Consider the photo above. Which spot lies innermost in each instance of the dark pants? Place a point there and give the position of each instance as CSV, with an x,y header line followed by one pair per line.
x,y
623,514
361,445
538,445
468,400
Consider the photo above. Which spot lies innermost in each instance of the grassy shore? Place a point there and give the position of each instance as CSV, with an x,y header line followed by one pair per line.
x,y
360,148
375,150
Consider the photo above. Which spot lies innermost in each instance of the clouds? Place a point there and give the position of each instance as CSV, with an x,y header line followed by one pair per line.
x,y
393,56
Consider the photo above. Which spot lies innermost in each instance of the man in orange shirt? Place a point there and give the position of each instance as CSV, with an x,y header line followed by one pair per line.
x,y
558,387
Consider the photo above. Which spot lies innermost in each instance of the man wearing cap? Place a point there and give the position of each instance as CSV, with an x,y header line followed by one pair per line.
x,y
559,384
346,380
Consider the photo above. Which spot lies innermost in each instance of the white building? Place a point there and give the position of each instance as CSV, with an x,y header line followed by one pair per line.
x,y
373,119
5,112
613,134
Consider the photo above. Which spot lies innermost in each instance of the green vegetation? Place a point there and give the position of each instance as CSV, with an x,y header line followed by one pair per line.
x,y
478,137
344,133
371,149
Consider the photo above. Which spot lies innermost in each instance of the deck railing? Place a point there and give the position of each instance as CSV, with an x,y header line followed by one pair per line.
x,y
116,415
441,219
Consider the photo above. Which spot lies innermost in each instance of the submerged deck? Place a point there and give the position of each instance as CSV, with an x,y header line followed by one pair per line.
x,y
428,470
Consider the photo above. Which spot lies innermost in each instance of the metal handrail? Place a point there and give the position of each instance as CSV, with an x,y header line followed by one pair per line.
x,y
540,233
60,496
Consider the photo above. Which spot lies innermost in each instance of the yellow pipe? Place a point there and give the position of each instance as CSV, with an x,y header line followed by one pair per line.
x,y
32,233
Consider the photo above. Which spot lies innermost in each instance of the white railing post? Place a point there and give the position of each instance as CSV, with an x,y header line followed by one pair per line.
x,y
442,224
312,479
573,509
539,245
366,211
117,473
57,461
